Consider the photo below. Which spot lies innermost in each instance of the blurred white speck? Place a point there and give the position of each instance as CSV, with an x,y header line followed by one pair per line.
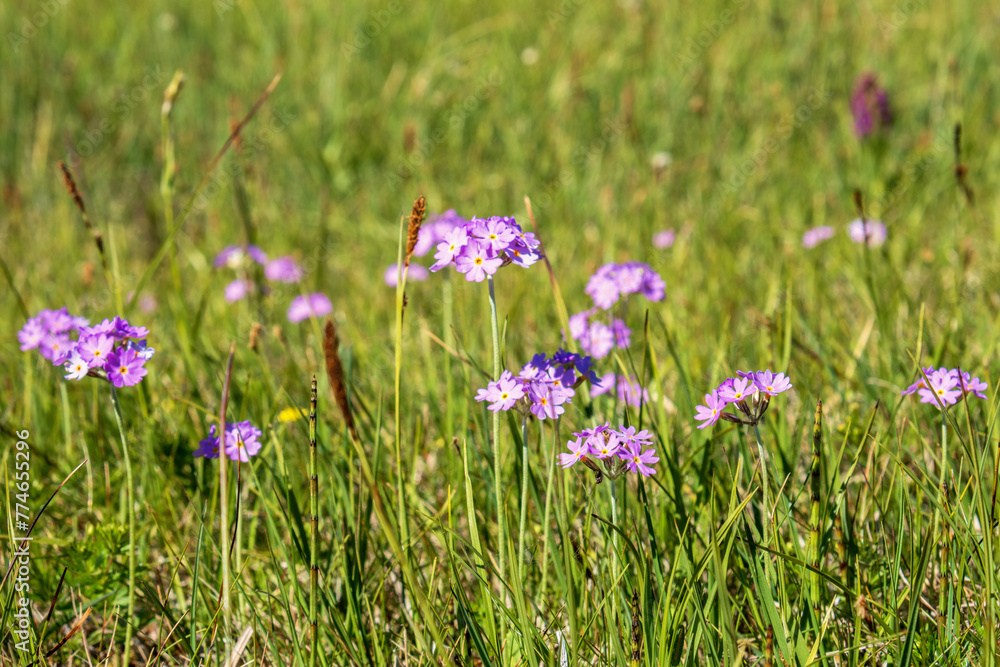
x,y
167,22
529,56
661,161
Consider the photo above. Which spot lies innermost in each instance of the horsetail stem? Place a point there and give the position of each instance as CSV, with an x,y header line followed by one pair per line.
x,y
314,527
636,631
814,528
838,538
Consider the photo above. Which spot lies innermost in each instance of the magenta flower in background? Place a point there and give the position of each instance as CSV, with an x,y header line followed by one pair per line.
x,y
235,256
305,306
597,338
664,239
614,281
869,105
46,324
627,389
31,335
598,341
57,348
872,230
817,235
416,274
147,303
283,270
238,289
578,323
435,231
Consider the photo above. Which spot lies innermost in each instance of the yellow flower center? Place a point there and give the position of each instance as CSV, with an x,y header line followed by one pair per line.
x,y
479,260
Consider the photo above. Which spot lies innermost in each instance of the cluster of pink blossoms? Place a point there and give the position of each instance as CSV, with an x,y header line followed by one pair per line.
x,y
113,350
614,281
241,442
750,392
481,246
946,386
597,338
619,450
542,387
598,334
628,389
282,269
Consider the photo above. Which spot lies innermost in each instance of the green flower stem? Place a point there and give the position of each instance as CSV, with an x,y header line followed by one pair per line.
x,y
763,483
130,499
497,458
524,497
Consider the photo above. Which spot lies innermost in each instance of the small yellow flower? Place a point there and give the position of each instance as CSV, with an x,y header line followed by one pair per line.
x,y
290,415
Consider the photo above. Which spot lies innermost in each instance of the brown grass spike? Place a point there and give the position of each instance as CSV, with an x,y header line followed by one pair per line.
x,y
74,192
335,374
416,219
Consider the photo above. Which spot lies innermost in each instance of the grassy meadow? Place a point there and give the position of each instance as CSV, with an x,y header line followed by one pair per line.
x,y
861,534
